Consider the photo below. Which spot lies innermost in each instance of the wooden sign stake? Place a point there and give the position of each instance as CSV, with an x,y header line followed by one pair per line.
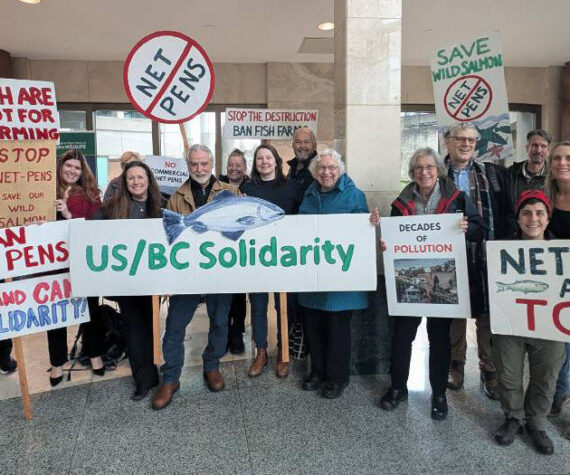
x,y
284,327
156,329
19,353
184,140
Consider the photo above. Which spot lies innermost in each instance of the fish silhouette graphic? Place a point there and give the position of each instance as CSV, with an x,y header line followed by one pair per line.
x,y
227,213
524,286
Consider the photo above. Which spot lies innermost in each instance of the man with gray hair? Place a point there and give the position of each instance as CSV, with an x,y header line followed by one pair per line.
x,y
198,190
487,186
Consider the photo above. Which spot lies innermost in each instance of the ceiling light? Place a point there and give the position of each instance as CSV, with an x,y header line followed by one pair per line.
x,y
326,26
30,1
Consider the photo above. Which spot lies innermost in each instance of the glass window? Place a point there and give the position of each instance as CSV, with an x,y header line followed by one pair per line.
x,y
72,120
521,124
116,132
199,130
419,129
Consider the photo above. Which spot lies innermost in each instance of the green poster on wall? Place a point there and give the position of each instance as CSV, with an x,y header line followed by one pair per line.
x,y
83,141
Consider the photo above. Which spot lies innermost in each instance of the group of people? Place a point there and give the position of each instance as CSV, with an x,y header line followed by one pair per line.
x,y
530,200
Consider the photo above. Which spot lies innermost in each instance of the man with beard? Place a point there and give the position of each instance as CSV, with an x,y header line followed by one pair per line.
x,y
198,190
530,174
305,148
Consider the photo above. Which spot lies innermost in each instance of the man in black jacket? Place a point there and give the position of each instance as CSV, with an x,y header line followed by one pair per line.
x,y
487,186
305,148
530,174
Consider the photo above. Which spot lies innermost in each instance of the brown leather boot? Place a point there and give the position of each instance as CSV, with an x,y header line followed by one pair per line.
x,y
163,395
258,363
456,375
214,380
490,384
281,368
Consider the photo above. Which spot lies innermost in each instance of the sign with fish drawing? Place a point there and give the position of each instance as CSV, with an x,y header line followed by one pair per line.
x,y
425,265
529,288
469,86
230,245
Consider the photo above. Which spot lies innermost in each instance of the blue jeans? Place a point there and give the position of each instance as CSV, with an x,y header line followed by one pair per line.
x,y
259,304
562,384
180,313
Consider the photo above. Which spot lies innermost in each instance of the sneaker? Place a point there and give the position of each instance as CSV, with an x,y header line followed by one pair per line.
x,y
9,366
505,434
557,404
541,441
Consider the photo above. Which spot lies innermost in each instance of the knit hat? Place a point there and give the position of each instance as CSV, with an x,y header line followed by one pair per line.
x,y
530,194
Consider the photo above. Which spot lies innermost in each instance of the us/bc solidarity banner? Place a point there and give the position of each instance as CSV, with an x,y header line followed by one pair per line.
x,y
529,288
40,304
267,123
294,254
426,266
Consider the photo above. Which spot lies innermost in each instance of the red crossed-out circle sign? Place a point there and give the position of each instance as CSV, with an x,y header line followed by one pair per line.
x,y
169,77
468,98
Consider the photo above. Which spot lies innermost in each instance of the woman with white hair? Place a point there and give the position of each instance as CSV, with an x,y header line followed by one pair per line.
x,y
327,315
430,192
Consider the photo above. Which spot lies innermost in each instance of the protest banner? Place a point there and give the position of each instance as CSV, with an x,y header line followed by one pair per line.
x,y
267,124
39,304
293,254
27,182
529,288
469,85
169,172
28,110
426,266
34,249
168,77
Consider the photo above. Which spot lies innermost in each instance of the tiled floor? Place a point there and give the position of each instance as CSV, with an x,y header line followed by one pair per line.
x,y
264,425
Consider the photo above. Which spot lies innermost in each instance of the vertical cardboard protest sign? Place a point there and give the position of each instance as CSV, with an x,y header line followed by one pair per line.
x,y
426,266
469,86
529,288
27,182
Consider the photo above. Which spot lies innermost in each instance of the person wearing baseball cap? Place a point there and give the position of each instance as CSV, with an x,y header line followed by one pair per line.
x,y
533,211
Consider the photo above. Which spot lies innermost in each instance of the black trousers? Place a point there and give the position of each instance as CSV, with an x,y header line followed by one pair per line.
x,y
328,335
137,316
92,332
236,315
405,329
294,312
5,350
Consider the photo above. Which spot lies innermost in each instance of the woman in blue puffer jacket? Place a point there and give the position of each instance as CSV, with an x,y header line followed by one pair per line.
x,y
327,315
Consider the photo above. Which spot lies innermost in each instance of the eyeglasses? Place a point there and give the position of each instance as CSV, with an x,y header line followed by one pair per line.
x,y
330,168
470,140
427,168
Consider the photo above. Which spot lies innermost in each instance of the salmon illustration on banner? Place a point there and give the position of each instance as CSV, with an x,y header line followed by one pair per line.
x,y
228,214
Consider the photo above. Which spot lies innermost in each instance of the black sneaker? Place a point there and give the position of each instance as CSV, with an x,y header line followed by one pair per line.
x,y
8,366
439,407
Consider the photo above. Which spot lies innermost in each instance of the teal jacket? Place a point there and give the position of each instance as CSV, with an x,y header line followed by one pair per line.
x,y
343,198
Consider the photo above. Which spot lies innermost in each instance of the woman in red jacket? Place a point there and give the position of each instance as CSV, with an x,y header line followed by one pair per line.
x,y
77,197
